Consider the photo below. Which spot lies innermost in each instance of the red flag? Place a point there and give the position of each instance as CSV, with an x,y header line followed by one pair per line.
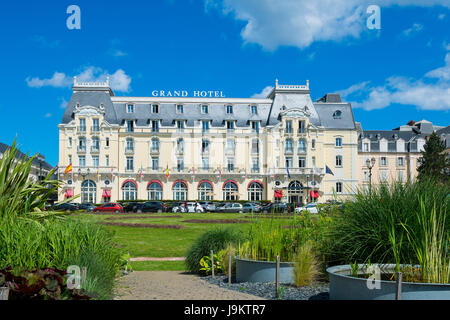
x,y
111,172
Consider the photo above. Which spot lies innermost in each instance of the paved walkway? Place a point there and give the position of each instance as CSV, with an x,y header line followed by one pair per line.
x,y
172,285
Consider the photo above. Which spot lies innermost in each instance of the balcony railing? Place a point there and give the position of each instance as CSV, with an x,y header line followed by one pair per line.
x,y
81,149
296,170
81,130
129,150
95,149
95,129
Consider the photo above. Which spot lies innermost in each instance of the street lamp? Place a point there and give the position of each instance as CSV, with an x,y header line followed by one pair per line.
x,y
370,163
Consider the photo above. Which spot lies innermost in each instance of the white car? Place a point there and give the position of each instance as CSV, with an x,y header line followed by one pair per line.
x,y
311,207
193,207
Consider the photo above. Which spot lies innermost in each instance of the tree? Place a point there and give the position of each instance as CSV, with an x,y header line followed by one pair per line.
x,y
434,164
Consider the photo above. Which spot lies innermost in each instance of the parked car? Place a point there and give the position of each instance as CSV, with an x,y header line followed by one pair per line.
x,y
89,207
231,207
208,206
311,207
218,206
151,206
178,207
64,207
251,207
110,207
193,207
129,206
276,207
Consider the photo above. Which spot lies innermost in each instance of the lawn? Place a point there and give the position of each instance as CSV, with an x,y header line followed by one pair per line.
x,y
164,242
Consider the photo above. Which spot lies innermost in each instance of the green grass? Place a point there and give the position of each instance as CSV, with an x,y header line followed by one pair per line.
x,y
158,266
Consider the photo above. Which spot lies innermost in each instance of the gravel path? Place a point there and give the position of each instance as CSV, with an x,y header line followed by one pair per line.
x,y
173,285
266,290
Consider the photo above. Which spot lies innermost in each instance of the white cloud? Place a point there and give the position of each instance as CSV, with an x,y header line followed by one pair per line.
x,y
48,115
63,104
300,23
416,28
441,16
422,93
263,94
118,53
119,80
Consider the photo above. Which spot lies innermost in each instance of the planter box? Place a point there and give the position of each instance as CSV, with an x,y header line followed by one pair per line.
x,y
263,271
4,293
345,287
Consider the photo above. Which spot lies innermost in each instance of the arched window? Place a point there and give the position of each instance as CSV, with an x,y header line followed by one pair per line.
x,y
255,191
337,114
88,191
230,191
154,191
179,191
205,191
295,192
129,191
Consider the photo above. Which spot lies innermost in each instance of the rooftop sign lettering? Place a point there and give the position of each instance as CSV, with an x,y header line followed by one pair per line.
x,y
185,93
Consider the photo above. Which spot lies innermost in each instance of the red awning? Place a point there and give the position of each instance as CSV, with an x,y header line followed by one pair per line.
x,y
314,194
106,194
278,194
69,193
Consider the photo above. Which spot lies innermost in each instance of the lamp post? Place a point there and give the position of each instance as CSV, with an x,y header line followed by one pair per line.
x,y
370,163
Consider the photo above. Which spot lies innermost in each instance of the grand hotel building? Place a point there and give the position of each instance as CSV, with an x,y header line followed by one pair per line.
x,y
276,148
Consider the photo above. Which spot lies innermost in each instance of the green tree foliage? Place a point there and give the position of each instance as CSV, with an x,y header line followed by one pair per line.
x,y
434,164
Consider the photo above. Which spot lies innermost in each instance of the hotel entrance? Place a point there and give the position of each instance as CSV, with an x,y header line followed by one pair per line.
x,y
295,192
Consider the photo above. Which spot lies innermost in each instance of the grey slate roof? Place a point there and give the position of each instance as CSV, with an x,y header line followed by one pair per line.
x,y
410,138
326,111
21,155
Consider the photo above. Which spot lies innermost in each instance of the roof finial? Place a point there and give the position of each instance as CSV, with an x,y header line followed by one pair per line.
x,y
276,83
307,84
74,81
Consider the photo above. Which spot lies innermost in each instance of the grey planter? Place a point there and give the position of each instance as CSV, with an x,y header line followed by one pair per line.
x,y
345,287
4,293
263,271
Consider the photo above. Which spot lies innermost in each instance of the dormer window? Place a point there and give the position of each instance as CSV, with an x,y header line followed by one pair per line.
x,y
230,125
229,109
130,126
337,114
204,109
180,109
254,109
155,108
130,108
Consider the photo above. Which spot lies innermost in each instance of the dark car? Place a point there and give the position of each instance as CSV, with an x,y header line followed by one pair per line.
x,y
64,207
251,207
89,207
151,206
129,206
171,205
277,207
109,207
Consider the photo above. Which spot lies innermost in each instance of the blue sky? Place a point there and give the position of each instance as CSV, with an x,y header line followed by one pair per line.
x,y
392,75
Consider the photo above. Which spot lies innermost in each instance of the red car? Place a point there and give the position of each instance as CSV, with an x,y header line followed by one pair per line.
x,y
110,207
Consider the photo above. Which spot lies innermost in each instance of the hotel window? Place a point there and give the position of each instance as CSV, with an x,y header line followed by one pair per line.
x,y
154,191
155,108
129,191
95,125
230,191
107,142
313,144
204,109
107,160
205,163
130,126
255,126
255,146
155,125
155,163
180,145
338,187
130,144
205,146
366,147
302,145
95,162
180,125
288,162
288,146
155,145
338,142
179,191
313,162
180,164
230,145
301,162
130,108
230,164
338,161
230,126
383,161
205,126
95,144
254,109
255,164
255,192
205,191
229,109
82,125
82,144
301,126
400,162
179,108
288,126
70,142
82,161
130,166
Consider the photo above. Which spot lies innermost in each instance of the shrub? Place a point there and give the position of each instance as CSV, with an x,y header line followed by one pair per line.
x,y
306,266
216,240
223,256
